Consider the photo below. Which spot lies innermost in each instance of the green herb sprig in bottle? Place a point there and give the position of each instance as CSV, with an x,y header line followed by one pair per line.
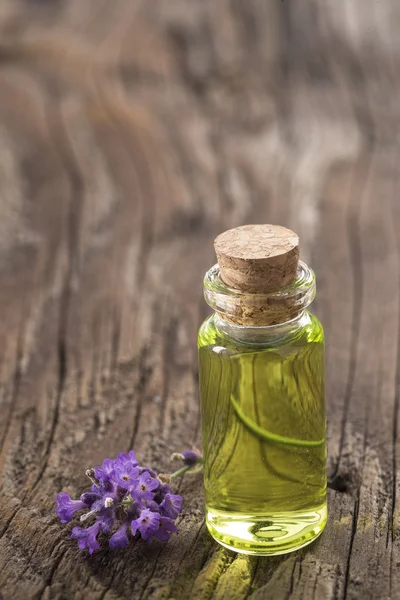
x,y
261,360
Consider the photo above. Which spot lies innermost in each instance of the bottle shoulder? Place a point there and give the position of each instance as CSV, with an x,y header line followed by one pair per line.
x,y
208,332
316,329
308,329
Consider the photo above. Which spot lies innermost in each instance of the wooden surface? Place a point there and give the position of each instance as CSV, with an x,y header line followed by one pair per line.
x,y
131,133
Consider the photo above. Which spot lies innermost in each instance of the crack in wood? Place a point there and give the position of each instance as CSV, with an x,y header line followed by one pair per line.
x,y
77,189
16,380
391,534
356,265
350,550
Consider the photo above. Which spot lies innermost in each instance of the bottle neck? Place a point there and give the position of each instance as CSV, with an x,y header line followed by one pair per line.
x,y
251,310
262,334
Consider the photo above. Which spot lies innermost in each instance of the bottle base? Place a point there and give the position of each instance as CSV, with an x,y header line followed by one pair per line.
x,y
266,535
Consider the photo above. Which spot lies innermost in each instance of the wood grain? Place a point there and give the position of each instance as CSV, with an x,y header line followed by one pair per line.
x,y
131,134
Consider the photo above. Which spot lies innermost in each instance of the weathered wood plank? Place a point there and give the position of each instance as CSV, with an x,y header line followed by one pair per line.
x,y
130,134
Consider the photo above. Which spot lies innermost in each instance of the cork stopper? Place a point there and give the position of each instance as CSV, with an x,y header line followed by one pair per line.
x,y
258,258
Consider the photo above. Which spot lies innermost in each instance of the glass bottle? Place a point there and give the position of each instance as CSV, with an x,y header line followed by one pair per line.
x,y
261,367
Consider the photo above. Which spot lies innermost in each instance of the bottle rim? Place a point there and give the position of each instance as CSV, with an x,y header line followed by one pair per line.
x,y
273,307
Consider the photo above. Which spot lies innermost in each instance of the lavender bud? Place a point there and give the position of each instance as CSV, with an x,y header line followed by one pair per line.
x,y
91,474
190,457
89,497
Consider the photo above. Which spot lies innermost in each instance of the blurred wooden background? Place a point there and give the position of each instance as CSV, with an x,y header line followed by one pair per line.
x,y
131,133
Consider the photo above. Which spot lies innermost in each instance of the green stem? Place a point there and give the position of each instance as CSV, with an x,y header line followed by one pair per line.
x,y
267,435
180,472
194,468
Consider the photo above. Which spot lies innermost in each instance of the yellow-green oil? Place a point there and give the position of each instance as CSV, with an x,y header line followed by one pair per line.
x,y
263,424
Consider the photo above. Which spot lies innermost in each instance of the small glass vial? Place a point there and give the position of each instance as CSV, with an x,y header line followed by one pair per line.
x,y
261,365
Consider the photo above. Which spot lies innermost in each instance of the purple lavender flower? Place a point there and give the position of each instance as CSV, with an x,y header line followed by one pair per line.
x,y
144,486
66,507
126,476
152,505
106,517
165,528
171,506
120,539
164,489
160,493
146,524
87,538
124,458
123,496
104,473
